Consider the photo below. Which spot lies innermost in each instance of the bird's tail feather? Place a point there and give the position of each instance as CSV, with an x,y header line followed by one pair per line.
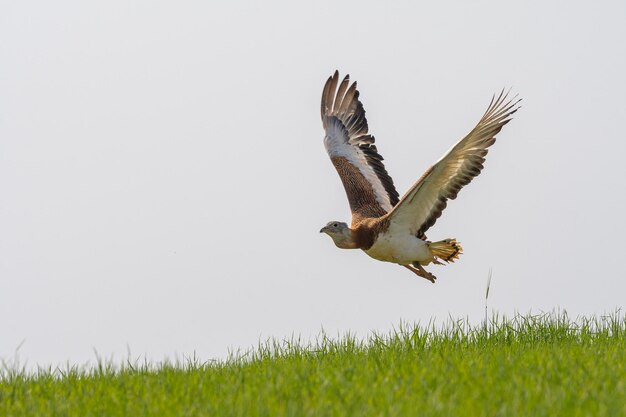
x,y
447,250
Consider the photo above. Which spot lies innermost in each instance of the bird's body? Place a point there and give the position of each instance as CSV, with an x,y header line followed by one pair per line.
x,y
384,226
397,245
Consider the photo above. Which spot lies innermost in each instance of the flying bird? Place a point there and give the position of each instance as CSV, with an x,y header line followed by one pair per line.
x,y
386,227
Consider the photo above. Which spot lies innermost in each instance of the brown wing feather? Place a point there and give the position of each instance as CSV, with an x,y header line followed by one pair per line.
x,y
369,187
423,204
360,193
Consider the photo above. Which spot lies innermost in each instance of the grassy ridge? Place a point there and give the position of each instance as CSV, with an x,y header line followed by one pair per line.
x,y
543,365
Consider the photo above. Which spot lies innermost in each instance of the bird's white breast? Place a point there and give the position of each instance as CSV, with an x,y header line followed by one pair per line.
x,y
399,247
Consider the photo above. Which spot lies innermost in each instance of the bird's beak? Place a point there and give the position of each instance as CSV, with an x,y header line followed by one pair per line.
x,y
323,229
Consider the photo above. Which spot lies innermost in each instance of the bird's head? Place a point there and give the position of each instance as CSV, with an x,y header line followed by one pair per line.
x,y
340,233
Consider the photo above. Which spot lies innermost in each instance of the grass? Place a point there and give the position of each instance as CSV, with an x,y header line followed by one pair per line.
x,y
545,365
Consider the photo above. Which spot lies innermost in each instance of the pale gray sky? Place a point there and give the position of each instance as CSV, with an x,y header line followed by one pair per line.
x,y
163,178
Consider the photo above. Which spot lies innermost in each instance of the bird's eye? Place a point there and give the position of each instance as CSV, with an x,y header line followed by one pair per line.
x,y
334,224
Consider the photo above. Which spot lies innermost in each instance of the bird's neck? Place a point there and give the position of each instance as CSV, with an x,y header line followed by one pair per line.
x,y
346,240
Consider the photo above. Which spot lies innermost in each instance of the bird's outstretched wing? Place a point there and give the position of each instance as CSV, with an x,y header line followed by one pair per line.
x,y
422,205
351,148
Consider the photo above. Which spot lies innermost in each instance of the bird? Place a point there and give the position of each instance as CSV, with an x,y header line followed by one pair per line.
x,y
386,227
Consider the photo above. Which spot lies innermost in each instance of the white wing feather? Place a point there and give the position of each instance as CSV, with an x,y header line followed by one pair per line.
x,y
422,205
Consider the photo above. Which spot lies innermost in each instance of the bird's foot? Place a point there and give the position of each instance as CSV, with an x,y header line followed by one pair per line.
x,y
421,272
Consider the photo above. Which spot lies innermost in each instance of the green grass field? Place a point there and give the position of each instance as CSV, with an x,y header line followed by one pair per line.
x,y
544,365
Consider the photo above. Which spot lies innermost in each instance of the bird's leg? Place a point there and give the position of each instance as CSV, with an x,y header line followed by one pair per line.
x,y
421,272
427,274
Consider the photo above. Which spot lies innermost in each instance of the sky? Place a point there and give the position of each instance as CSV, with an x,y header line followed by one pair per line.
x,y
163,178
